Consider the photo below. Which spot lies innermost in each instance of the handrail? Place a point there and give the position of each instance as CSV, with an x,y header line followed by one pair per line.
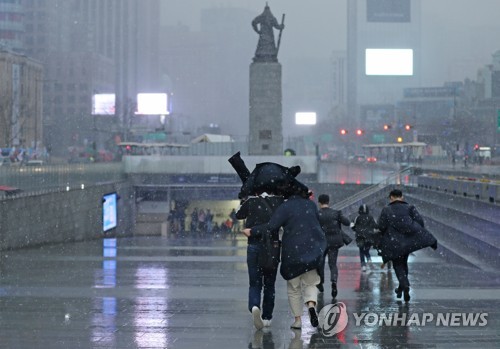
x,y
396,177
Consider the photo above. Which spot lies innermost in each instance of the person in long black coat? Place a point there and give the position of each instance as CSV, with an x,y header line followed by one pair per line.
x,y
331,222
401,221
303,247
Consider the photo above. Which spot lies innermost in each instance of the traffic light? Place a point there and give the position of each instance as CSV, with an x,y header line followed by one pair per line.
x,y
360,132
387,127
400,139
343,132
408,127
476,147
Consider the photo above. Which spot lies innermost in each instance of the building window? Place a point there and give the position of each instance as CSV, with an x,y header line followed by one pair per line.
x,y
265,146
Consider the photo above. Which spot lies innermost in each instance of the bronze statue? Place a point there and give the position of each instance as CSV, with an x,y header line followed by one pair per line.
x,y
267,51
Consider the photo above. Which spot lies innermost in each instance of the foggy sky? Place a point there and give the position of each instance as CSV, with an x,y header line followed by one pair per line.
x,y
458,36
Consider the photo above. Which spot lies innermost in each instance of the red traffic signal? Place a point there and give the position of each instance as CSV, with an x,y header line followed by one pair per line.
x,y
343,131
408,127
387,127
360,132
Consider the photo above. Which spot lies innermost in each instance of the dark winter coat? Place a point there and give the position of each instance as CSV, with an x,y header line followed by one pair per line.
x,y
364,226
331,222
402,229
303,241
259,210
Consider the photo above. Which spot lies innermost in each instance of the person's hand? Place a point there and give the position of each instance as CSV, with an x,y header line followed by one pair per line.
x,y
247,232
351,225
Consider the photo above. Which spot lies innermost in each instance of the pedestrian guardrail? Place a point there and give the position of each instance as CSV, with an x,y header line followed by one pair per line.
x,y
33,180
394,179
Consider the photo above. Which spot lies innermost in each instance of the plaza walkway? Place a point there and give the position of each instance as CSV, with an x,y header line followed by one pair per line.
x,y
153,292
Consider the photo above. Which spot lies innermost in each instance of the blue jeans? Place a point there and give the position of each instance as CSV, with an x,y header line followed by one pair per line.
x,y
364,254
260,278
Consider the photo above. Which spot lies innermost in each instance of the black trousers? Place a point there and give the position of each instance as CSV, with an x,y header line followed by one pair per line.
x,y
400,266
332,254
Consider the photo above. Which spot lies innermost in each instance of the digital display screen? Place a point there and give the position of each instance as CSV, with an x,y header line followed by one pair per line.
x,y
305,118
109,211
103,104
152,104
393,62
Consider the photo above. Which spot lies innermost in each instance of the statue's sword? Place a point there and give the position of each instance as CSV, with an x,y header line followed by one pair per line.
x,y
281,31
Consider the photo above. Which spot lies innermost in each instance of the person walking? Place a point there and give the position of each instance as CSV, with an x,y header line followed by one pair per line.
x,y
404,226
235,224
303,248
209,223
363,226
257,210
331,222
194,221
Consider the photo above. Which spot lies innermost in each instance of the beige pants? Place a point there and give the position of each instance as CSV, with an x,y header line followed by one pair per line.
x,y
301,290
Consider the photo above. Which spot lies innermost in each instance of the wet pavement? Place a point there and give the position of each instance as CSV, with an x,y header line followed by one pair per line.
x,y
153,292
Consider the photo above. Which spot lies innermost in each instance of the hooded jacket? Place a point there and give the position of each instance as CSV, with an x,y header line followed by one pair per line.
x,y
364,224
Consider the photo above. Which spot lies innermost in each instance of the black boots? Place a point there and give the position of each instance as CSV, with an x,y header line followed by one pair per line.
x,y
406,294
320,288
399,292
334,290
313,317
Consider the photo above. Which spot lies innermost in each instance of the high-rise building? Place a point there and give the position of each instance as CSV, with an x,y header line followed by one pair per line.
x,y
11,25
89,47
20,101
208,69
383,51
338,89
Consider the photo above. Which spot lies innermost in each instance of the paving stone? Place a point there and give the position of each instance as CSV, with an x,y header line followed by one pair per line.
x,y
154,292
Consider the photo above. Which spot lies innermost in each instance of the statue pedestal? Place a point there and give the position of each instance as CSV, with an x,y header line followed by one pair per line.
x,y
266,137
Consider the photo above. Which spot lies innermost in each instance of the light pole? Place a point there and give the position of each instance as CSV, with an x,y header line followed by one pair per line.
x,y
37,114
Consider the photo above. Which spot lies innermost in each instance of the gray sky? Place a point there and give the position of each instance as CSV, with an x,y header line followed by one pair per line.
x,y
458,36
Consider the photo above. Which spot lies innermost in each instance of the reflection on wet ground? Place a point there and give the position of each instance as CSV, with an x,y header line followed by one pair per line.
x,y
153,292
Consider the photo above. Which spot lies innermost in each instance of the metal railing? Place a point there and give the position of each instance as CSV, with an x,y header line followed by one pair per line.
x,y
394,179
45,178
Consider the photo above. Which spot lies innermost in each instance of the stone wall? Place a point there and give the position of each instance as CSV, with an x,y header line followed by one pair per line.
x,y
64,216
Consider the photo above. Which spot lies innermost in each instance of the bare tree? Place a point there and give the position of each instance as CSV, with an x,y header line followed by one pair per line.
x,y
14,122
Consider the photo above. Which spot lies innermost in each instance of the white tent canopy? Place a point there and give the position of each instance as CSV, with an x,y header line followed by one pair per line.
x,y
212,138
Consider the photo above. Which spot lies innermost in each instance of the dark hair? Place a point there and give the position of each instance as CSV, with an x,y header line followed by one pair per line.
x,y
363,209
396,193
323,199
